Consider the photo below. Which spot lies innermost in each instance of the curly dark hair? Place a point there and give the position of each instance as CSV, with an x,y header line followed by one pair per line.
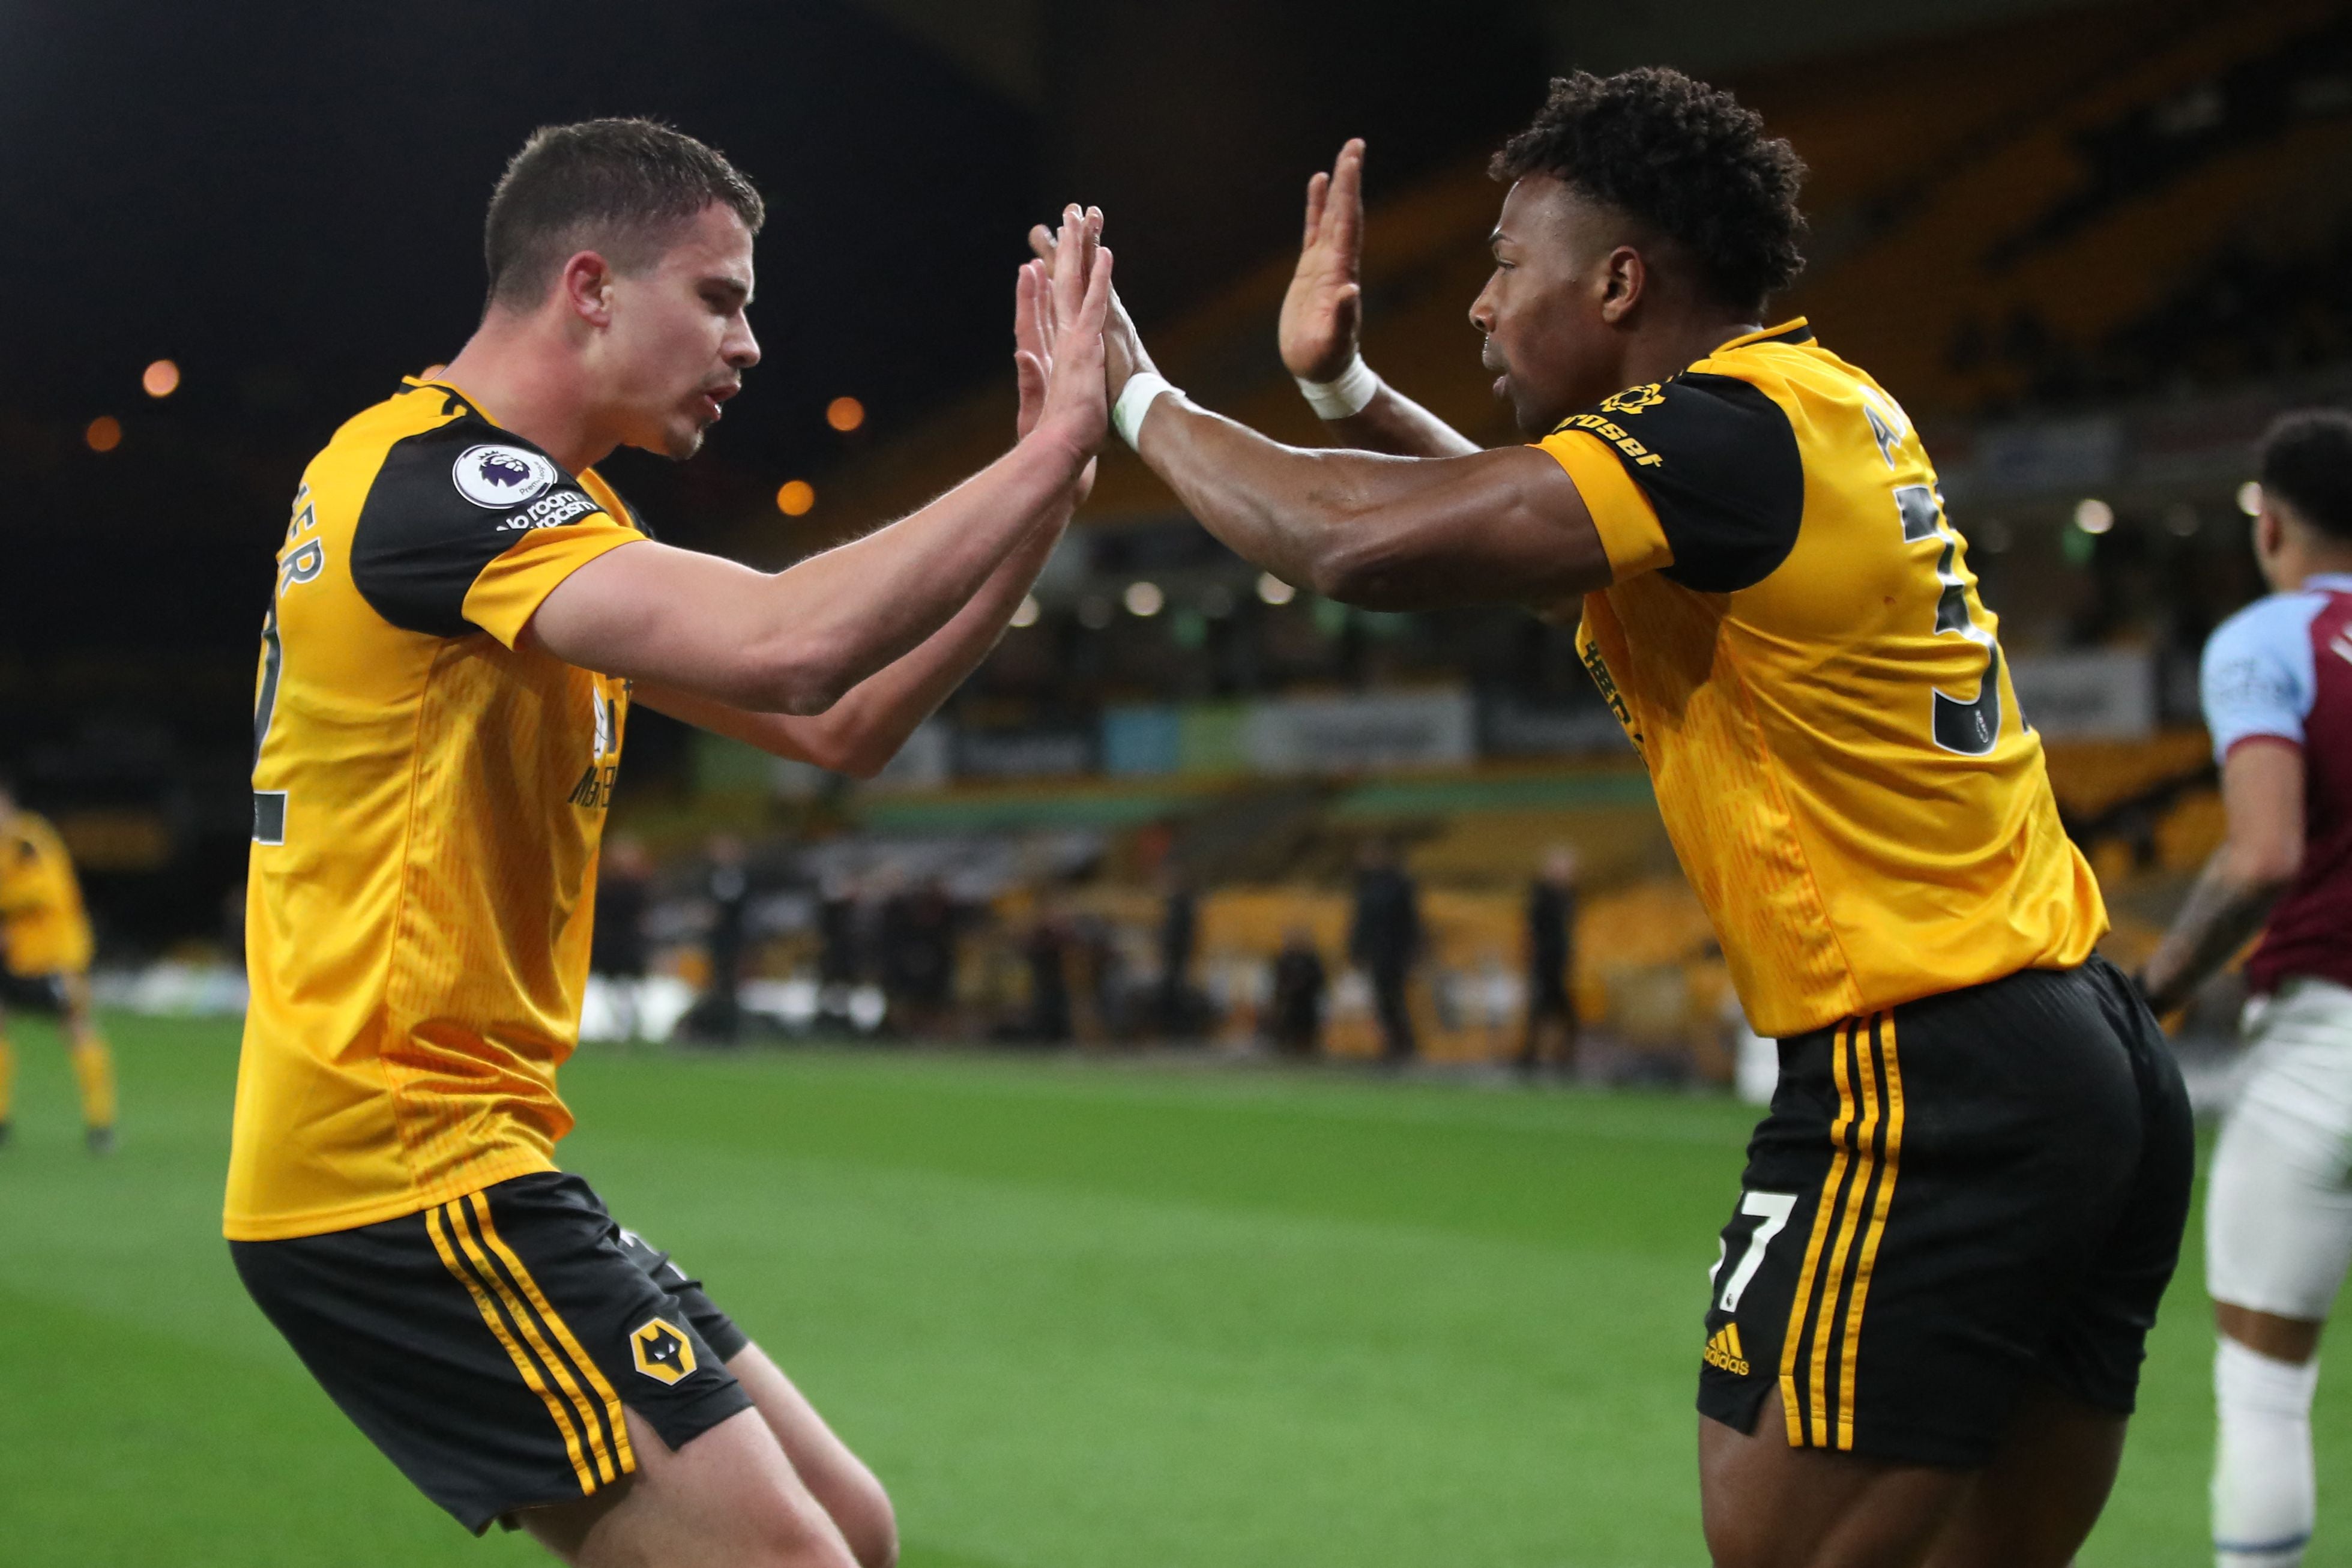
x,y
1683,158
2306,462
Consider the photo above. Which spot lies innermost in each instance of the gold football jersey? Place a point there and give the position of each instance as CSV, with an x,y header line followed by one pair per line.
x,y
42,923
1794,642
428,800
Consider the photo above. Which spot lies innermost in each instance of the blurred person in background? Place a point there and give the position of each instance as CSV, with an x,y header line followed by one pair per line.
x,y
1177,1016
463,615
1552,1025
45,952
2277,689
618,949
1048,950
1773,602
917,956
1294,1014
1384,940
717,1017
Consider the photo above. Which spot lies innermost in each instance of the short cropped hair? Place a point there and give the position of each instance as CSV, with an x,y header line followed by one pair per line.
x,y
1682,157
623,187
2306,462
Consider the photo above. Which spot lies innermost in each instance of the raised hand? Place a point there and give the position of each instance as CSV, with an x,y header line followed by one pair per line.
x,y
1323,312
1122,345
1069,302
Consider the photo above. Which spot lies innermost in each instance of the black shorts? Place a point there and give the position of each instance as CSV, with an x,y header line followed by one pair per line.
x,y
1950,1200
487,1345
34,993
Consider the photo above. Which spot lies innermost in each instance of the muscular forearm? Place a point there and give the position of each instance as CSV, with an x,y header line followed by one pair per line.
x,y
2226,907
869,603
1386,532
1395,424
1291,511
859,734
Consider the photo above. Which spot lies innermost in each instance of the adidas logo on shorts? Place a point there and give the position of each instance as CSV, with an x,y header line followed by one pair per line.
x,y
1725,1350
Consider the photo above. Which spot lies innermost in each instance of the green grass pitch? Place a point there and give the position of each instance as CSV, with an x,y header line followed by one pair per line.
x,y
1073,1314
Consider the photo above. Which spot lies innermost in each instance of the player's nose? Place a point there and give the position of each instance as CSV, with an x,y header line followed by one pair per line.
x,y
742,350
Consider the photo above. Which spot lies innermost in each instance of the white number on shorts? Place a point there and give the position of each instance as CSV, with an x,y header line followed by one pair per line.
x,y
1773,1209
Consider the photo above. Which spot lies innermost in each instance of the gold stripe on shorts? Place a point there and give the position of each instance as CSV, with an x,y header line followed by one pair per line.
x,y
615,1423
437,1224
1891,1078
1792,1405
534,1331
1822,1345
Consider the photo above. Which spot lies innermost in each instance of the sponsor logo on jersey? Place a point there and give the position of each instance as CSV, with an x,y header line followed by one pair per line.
x,y
497,478
1633,399
662,1351
1615,435
549,510
1725,1350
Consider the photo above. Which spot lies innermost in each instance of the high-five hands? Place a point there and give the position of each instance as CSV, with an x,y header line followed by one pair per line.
x,y
1123,353
1058,316
1323,312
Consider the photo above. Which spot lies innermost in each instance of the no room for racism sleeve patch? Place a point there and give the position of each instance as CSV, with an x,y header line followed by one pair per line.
x,y
446,504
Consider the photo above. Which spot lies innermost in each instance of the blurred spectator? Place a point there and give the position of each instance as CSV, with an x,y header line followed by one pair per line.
x,y
727,887
1384,940
1048,953
1552,1023
918,957
1179,1015
1299,983
616,948
836,923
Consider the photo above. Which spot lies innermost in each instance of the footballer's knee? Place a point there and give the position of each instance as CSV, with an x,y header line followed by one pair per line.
x,y
862,1511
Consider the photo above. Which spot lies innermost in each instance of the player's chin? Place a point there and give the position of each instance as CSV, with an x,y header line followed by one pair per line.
x,y
683,438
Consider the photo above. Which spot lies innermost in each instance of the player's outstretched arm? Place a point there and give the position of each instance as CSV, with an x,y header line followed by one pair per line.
x,y
1322,329
859,734
1385,532
2261,850
798,641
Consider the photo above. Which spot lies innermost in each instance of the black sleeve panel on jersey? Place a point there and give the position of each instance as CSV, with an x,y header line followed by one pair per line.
x,y
421,539
1721,470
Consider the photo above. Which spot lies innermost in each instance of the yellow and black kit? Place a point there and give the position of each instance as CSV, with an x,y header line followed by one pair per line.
x,y
1795,644
44,928
488,1344
429,794
1976,1167
1952,1200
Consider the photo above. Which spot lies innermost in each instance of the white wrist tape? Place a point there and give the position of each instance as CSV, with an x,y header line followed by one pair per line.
x,y
1135,402
1350,393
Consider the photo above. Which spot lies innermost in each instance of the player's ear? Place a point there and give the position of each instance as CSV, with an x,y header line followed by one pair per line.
x,y
1621,277
586,285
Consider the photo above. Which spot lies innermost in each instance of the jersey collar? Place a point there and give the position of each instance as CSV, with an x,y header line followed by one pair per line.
x,y
1794,331
2329,582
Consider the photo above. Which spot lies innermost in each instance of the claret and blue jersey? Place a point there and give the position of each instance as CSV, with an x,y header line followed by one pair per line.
x,y
2280,671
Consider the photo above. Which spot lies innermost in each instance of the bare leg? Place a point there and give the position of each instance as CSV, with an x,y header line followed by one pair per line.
x,y
2293,1339
838,1479
2035,1505
1768,1505
728,1498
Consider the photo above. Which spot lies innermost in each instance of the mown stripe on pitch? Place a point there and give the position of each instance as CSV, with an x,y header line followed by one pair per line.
x,y
1793,1403
595,1376
533,1333
434,1220
1891,1139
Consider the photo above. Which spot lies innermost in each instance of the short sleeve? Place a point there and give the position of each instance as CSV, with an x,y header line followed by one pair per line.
x,y
467,528
1698,477
2256,678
